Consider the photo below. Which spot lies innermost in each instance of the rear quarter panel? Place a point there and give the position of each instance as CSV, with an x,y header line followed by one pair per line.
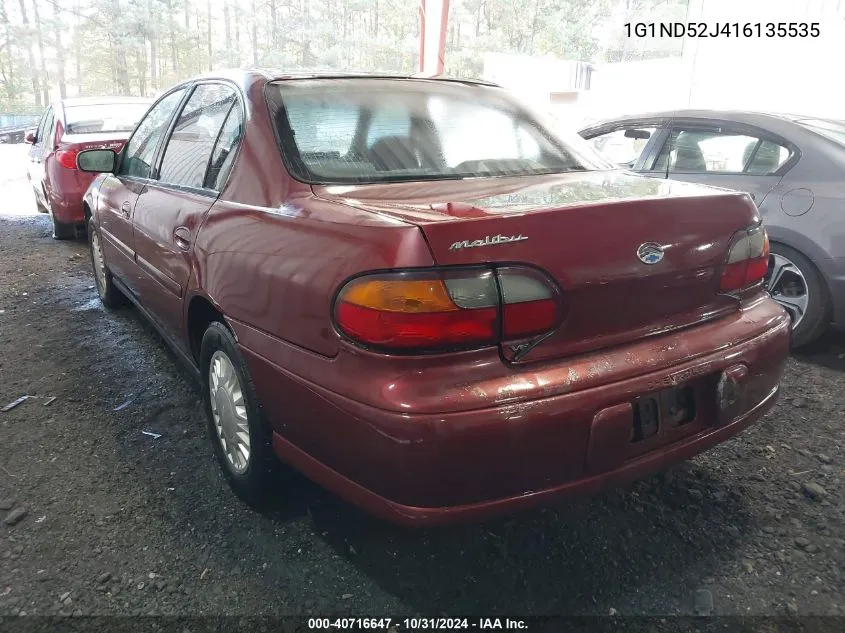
x,y
277,270
806,210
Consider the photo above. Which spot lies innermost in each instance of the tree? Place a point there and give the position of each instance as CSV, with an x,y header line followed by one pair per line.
x,y
28,35
126,47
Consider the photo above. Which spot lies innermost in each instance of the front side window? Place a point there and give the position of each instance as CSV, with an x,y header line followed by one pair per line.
x,y
140,150
188,152
705,151
380,130
623,146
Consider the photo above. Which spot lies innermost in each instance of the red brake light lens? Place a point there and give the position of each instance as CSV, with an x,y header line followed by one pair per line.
x,y
445,309
747,260
67,158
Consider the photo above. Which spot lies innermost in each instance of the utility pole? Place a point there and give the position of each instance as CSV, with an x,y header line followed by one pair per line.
x,y
434,19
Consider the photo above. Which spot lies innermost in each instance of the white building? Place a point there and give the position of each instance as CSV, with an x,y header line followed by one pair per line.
x,y
778,74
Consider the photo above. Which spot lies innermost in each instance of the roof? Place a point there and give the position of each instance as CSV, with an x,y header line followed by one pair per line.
x,y
248,75
271,74
787,126
738,116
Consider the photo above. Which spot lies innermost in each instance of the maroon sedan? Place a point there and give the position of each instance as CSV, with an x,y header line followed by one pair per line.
x,y
415,293
65,129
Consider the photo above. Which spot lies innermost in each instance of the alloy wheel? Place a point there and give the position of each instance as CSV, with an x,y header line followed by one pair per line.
x,y
787,285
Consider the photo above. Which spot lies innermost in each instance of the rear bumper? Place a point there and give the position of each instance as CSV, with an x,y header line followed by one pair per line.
x,y
66,192
66,206
558,437
424,516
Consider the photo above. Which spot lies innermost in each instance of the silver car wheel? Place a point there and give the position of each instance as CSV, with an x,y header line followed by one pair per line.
x,y
228,409
99,263
787,285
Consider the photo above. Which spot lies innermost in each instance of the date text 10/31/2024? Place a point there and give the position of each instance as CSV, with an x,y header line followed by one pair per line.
x,y
722,29
417,624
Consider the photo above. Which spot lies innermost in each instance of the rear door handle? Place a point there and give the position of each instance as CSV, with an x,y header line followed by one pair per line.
x,y
182,237
126,208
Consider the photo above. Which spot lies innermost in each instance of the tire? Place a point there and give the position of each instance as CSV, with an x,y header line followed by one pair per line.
x,y
110,296
250,478
800,289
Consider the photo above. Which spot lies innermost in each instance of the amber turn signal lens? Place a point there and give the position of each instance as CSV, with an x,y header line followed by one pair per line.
x,y
408,296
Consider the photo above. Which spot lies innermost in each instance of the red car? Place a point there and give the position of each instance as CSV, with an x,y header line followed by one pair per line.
x,y
65,129
416,294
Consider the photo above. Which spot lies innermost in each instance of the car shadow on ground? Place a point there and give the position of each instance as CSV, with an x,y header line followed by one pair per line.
x,y
666,531
827,351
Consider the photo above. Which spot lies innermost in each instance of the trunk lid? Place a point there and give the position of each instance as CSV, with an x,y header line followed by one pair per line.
x,y
107,140
584,230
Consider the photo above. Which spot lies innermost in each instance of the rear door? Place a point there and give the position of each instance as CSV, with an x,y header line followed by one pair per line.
x,y
193,168
733,157
119,192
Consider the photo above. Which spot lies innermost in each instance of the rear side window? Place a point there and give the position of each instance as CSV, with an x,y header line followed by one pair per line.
x,y
765,159
224,152
189,148
705,151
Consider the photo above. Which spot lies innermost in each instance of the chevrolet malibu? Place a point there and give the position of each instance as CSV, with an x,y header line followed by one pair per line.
x,y
416,294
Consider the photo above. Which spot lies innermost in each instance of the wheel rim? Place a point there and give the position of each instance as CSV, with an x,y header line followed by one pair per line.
x,y
228,410
788,286
99,263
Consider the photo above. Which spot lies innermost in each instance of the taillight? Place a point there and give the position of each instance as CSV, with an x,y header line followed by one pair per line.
x,y
446,309
67,157
747,260
530,305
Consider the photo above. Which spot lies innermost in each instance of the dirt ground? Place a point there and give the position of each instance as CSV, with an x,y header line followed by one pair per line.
x,y
97,517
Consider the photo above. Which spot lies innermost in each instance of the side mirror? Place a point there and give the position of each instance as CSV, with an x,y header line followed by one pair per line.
x,y
96,160
29,136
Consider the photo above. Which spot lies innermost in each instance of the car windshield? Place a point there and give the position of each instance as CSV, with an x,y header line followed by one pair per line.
x,y
103,117
834,130
383,130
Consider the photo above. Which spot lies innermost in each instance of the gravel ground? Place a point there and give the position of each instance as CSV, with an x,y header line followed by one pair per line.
x,y
100,518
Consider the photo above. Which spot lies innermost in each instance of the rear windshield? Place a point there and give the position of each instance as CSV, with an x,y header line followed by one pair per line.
x,y
103,117
382,130
834,130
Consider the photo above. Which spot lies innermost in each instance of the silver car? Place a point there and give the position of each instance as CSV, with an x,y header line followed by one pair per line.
x,y
792,166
